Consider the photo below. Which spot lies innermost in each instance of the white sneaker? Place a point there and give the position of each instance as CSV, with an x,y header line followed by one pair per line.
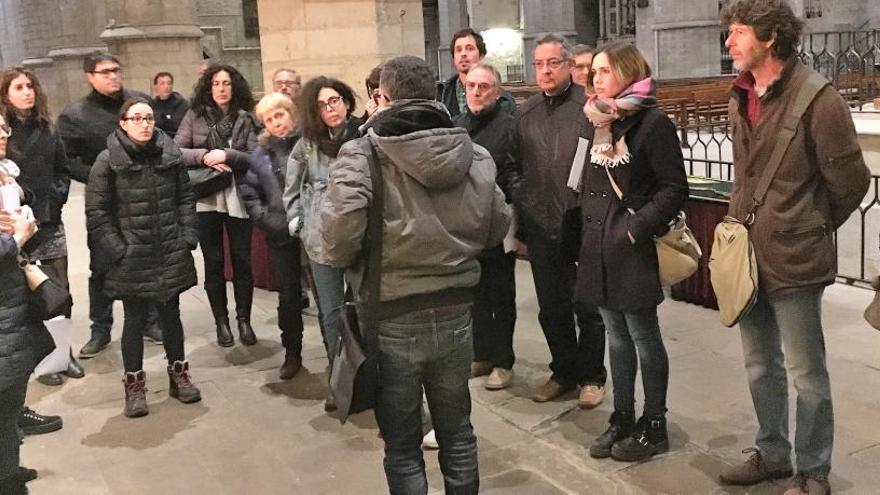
x,y
429,441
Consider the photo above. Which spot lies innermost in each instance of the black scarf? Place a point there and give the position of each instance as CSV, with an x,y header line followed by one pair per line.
x,y
140,153
330,146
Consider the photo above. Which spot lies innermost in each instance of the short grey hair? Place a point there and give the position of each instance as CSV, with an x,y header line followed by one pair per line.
x,y
488,68
558,39
581,49
407,78
285,69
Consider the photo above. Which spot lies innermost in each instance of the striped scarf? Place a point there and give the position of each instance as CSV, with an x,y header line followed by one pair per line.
x,y
603,112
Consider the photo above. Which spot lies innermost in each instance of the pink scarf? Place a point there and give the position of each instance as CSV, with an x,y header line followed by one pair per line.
x,y
603,112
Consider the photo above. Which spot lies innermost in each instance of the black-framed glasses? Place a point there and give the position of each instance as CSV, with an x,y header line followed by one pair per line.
x,y
553,63
140,119
108,72
332,103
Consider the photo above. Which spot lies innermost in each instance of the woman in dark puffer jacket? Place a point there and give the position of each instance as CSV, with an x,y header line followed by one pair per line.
x,y
140,214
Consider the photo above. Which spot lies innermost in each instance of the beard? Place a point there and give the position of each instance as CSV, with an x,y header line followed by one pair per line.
x,y
752,58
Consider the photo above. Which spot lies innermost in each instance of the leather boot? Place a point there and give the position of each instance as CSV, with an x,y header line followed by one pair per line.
x,y
648,439
74,368
135,394
246,331
179,385
620,427
244,298
217,299
292,364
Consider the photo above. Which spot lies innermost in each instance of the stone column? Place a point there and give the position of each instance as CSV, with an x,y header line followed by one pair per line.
x,y
344,40
540,18
149,36
680,38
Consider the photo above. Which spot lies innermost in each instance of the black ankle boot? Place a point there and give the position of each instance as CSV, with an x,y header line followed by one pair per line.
x,y
224,333
648,439
246,332
620,426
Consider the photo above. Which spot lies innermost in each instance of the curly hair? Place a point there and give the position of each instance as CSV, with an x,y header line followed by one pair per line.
x,y
41,101
309,115
767,18
242,98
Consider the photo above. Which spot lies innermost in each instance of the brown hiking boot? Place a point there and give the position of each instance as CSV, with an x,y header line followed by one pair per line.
x,y
802,485
179,385
135,394
755,470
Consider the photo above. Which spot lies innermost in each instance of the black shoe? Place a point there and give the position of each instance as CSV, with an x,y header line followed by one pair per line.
x,y
74,368
26,474
51,380
648,439
153,335
94,346
246,332
620,427
32,423
224,333
292,364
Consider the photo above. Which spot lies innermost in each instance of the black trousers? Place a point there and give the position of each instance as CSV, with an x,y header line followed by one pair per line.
x,y
287,269
238,231
11,402
101,305
577,358
136,310
494,310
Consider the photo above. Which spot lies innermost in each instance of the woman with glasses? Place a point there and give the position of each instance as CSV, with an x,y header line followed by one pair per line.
x,y
325,119
35,146
219,132
140,215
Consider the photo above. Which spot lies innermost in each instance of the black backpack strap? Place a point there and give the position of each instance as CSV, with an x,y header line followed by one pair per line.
x,y
373,246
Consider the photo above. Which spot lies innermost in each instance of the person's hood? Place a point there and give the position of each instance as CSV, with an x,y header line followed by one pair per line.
x,y
419,138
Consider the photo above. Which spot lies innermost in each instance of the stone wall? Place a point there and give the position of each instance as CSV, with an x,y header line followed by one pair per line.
x,y
680,38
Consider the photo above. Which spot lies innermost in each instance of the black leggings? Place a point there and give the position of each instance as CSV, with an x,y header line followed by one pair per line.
x,y
238,231
136,310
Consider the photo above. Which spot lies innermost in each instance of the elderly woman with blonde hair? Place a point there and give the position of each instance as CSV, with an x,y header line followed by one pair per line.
x,y
261,191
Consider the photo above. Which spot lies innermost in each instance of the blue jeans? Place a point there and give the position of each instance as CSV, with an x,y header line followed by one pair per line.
x,y
430,349
634,340
795,322
330,287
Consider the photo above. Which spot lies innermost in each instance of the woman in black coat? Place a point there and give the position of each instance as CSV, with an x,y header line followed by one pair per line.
x,y
140,214
633,186
261,191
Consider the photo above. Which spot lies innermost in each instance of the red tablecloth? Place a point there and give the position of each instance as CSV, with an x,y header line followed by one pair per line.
x,y
261,263
702,217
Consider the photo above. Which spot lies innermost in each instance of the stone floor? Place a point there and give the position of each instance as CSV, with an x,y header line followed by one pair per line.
x,y
254,434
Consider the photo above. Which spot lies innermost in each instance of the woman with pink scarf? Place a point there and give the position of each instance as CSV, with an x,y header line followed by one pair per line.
x,y
633,185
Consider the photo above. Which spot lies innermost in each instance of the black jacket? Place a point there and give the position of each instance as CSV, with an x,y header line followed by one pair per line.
x,y
39,153
141,217
263,186
446,95
17,351
614,272
494,130
84,126
547,132
169,112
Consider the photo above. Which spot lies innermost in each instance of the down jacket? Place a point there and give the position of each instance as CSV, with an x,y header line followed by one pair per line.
x,y
17,358
441,205
39,153
140,214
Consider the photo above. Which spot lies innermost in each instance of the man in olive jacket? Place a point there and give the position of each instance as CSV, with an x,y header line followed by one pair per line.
x,y
822,178
441,209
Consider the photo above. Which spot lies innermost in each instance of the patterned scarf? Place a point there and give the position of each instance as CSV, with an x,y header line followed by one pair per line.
x,y
603,112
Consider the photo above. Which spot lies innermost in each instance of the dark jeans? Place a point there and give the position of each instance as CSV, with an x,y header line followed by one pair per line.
x,y
577,359
238,231
286,266
11,402
429,349
136,310
634,341
495,308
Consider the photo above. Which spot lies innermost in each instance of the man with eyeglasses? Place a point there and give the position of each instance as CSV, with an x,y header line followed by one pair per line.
x,y
549,132
583,62
168,105
84,126
467,49
287,82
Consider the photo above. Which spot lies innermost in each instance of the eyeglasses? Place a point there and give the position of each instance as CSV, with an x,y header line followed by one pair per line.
x,y
5,131
140,119
107,72
481,86
332,103
553,63
287,84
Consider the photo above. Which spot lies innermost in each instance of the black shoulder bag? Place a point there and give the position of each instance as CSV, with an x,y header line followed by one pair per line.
x,y
354,377
205,180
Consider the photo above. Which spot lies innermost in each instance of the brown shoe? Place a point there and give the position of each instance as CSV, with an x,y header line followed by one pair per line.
x,y
755,470
480,368
804,485
292,365
500,378
590,396
550,390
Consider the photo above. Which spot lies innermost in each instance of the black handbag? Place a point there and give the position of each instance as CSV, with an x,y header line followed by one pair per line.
x,y
205,180
354,377
48,298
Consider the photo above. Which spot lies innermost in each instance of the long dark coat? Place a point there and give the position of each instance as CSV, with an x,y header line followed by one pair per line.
x,y
141,216
17,354
613,272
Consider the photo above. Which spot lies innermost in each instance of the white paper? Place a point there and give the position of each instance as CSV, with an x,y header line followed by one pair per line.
x,y
9,197
577,165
